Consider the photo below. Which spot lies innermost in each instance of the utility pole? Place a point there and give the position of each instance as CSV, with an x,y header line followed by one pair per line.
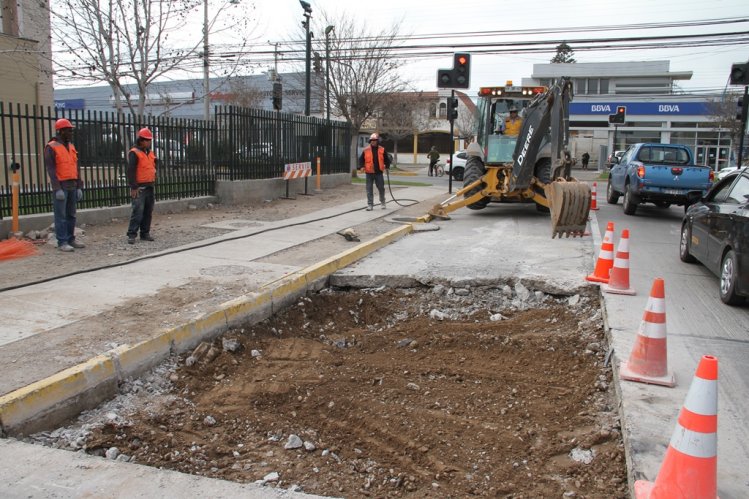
x,y
206,80
307,84
327,71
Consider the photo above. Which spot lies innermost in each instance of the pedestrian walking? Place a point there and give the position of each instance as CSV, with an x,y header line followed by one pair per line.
x,y
141,175
61,161
585,157
433,157
375,161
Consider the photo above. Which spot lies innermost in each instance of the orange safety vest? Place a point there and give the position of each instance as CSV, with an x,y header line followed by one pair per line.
x,y
369,159
513,127
145,170
66,160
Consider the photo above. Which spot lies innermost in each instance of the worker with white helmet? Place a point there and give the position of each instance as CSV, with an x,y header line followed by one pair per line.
x,y
374,160
61,161
141,175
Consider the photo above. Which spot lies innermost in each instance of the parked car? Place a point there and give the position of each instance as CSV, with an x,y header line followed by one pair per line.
x,y
715,232
617,154
725,171
459,164
662,174
170,152
256,150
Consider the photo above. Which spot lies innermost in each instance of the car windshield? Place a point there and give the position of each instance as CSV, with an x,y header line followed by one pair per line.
x,y
663,155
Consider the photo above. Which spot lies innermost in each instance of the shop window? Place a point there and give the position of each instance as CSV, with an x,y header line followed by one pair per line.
x,y
604,87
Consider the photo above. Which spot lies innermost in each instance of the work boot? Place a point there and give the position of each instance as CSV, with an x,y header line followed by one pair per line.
x,y
383,205
66,248
146,237
131,240
76,244
370,207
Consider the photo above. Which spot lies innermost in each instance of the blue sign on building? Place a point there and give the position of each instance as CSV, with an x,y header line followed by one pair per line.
x,y
70,104
642,108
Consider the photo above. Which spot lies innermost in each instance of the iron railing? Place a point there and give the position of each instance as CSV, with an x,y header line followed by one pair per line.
x,y
239,144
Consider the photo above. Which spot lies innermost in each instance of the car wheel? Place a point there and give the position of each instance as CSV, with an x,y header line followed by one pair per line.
x,y
630,202
612,197
662,204
685,243
728,279
458,174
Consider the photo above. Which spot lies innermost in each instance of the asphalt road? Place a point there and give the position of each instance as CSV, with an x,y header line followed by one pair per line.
x,y
698,323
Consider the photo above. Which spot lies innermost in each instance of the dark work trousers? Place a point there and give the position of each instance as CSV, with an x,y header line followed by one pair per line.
x,y
64,211
431,167
378,180
142,212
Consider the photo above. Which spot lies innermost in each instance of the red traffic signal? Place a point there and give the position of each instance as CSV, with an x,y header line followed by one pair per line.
x,y
457,77
620,116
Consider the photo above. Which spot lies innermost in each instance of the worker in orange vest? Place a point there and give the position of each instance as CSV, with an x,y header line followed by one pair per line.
x,y
374,160
61,161
141,175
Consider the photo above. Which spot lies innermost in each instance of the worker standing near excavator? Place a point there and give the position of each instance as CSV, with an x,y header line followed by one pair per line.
x,y
513,123
374,160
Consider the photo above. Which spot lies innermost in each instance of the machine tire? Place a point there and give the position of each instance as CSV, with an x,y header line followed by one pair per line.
x,y
458,173
728,279
474,171
542,170
612,197
685,244
630,202
662,204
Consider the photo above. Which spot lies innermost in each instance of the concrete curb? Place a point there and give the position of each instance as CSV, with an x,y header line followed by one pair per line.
x,y
50,402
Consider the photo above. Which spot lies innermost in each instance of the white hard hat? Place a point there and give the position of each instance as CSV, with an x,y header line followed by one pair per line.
x,y
374,136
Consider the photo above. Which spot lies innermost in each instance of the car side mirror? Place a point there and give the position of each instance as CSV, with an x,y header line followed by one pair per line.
x,y
693,197
615,160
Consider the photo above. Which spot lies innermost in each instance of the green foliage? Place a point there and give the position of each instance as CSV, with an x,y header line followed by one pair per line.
x,y
564,55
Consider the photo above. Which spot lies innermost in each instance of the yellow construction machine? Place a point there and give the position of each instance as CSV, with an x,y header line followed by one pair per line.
x,y
533,167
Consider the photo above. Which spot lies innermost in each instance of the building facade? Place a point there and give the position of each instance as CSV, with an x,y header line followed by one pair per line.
x,y
25,53
655,110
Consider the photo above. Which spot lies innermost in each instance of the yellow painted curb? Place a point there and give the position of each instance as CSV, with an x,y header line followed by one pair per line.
x,y
36,400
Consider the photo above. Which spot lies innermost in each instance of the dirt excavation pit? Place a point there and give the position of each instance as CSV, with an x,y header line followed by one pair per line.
x,y
432,392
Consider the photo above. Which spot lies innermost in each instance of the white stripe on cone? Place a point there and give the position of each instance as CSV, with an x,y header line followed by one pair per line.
x,y
657,305
693,443
652,330
702,397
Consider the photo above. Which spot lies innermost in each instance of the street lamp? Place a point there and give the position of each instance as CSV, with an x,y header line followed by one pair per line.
x,y
206,62
327,70
307,14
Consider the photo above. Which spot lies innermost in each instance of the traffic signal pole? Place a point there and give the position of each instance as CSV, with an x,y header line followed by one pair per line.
x,y
452,150
743,125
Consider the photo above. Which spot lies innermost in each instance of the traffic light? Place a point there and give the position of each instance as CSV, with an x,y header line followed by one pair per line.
x,y
740,74
740,111
462,68
457,77
452,108
277,96
317,63
620,116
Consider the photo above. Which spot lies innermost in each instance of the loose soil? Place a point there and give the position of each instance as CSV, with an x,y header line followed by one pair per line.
x,y
395,393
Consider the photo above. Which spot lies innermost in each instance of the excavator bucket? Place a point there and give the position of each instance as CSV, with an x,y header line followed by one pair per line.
x,y
569,203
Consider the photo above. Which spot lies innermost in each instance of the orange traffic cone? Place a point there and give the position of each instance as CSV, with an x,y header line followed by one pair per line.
x,y
648,361
605,257
593,200
619,277
691,463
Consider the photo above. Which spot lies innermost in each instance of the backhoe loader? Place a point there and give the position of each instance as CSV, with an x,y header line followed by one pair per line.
x,y
534,167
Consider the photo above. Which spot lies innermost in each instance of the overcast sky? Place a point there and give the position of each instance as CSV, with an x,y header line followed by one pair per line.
x,y
279,20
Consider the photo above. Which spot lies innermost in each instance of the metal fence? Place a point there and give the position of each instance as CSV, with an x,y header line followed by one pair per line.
x,y
193,154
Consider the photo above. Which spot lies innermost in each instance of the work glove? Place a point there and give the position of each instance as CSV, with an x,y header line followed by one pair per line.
x,y
78,194
60,195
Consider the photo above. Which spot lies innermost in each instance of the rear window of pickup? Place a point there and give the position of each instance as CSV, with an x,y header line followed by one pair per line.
x,y
663,155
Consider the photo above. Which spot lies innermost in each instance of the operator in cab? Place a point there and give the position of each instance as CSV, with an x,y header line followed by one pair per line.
x,y
513,123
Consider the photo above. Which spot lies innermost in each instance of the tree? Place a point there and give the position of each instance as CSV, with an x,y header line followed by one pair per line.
x,y
724,113
363,71
564,54
126,43
467,123
243,94
401,115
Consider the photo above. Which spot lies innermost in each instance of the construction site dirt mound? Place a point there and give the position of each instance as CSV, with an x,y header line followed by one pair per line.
x,y
435,392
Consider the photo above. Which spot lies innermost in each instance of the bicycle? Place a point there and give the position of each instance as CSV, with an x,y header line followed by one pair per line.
x,y
439,169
